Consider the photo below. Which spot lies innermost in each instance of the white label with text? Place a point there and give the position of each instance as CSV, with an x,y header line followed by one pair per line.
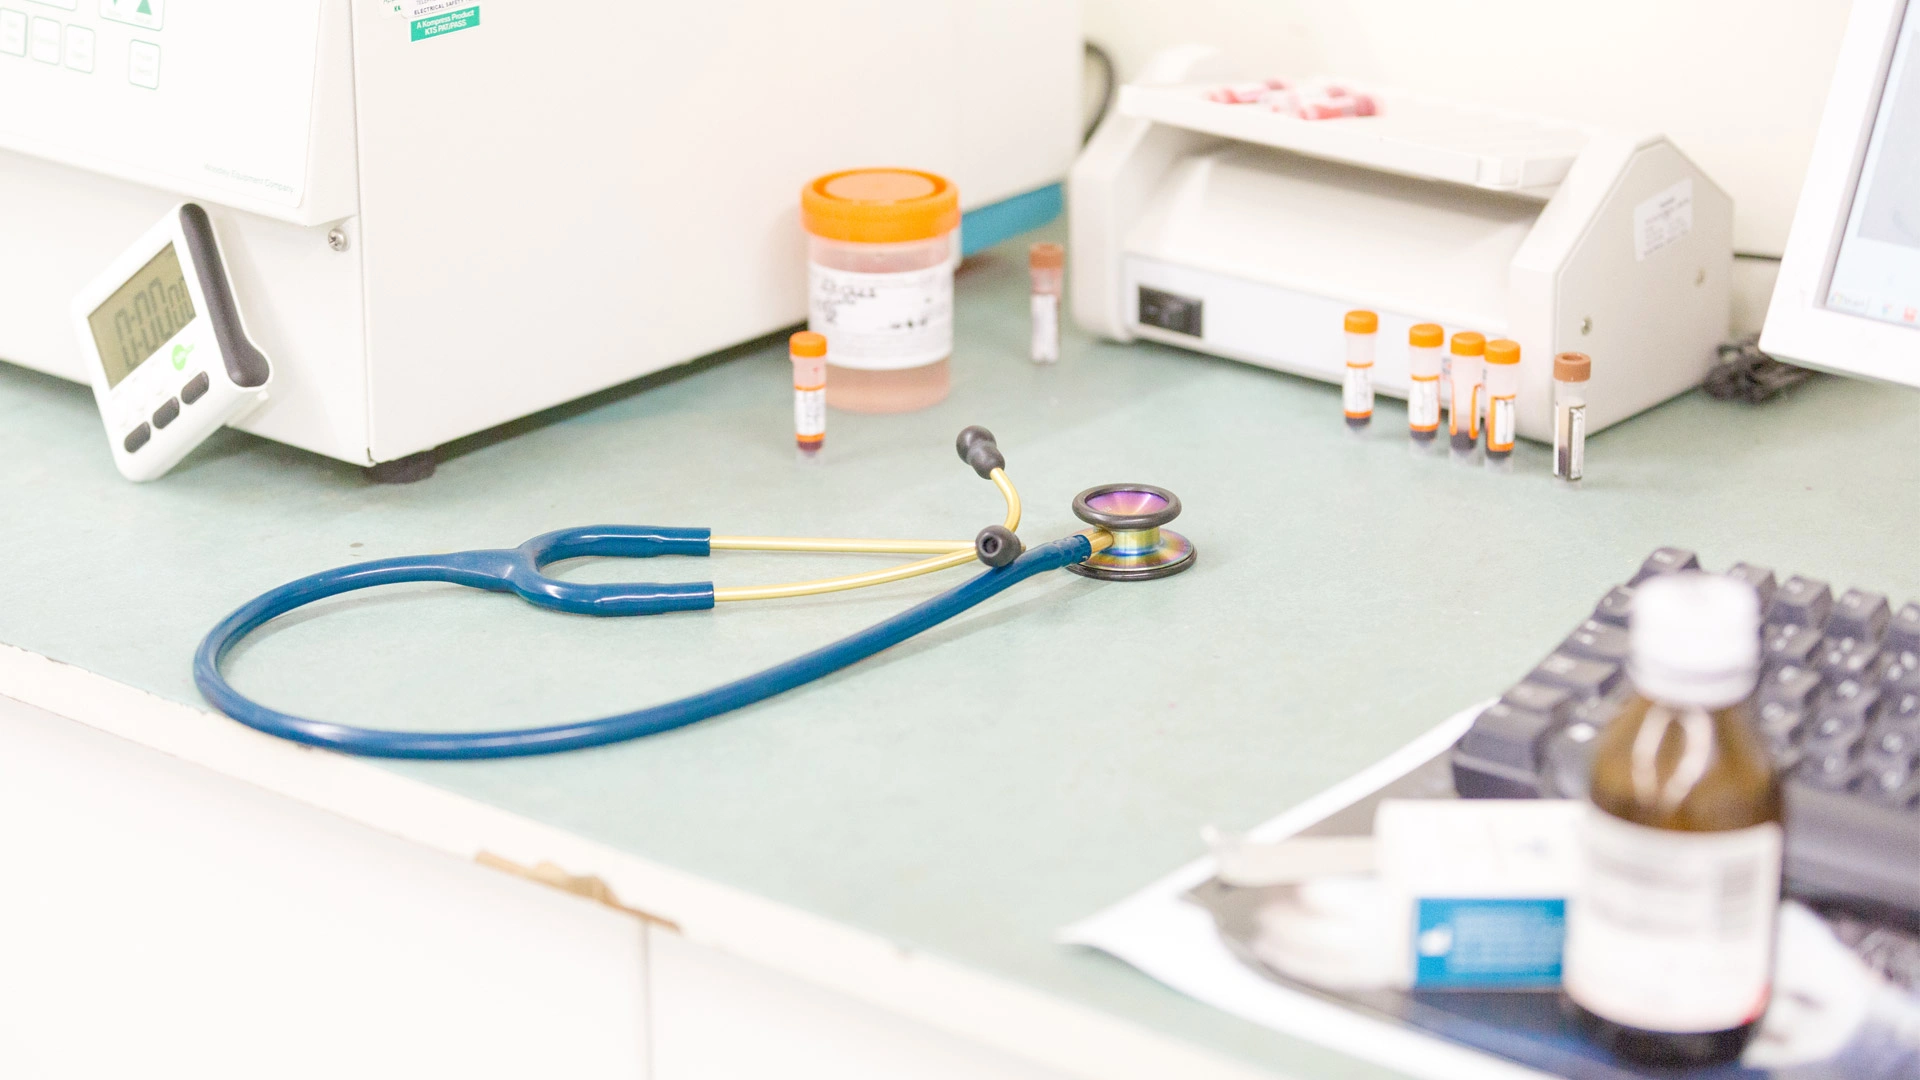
x,y
1673,931
882,322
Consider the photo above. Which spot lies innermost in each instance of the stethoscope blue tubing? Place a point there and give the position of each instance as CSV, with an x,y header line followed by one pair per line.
x,y
517,570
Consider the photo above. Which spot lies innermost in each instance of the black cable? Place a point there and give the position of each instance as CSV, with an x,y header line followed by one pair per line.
x,y
1109,85
1756,255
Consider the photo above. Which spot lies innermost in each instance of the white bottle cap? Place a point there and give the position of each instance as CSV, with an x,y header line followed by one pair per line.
x,y
1695,639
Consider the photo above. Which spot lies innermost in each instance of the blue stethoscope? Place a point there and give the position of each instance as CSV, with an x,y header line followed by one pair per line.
x,y
1125,543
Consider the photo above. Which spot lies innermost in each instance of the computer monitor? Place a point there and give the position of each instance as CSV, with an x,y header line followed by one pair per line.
x,y
1848,296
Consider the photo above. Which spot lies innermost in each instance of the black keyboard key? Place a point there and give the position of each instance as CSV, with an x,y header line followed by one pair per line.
x,y
1584,678
1843,846
1508,736
1759,577
1499,757
1782,723
1885,777
1789,685
1900,704
1890,747
1892,738
1879,785
1551,701
1862,616
1834,771
1781,726
1850,697
1789,644
1596,640
1566,761
1801,602
1834,732
140,436
1848,658
1666,560
1899,668
1616,607
1903,635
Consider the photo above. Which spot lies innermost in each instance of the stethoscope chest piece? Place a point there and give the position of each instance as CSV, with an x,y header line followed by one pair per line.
x,y
1134,514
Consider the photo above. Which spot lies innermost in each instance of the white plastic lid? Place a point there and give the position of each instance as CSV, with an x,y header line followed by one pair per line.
x,y
1695,639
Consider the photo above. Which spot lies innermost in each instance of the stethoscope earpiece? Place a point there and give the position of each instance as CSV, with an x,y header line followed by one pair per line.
x,y
997,546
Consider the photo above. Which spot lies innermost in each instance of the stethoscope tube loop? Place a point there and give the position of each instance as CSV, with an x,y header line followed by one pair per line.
x,y
518,570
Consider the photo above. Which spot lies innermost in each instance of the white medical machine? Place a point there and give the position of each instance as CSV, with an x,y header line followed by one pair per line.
x,y
165,346
440,216
1848,295
1239,231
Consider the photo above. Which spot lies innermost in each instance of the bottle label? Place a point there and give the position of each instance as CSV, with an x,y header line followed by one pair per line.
x,y
809,413
1673,931
1046,328
882,322
1500,424
1569,441
1357,395
1423,404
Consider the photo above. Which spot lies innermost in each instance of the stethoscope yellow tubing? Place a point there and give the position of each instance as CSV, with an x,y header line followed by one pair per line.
x,y
946,555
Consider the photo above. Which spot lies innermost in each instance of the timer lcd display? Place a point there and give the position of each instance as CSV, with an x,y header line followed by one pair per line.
x,y
141,315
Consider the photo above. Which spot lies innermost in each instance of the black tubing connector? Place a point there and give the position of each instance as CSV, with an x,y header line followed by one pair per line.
x,y
997,546
977,448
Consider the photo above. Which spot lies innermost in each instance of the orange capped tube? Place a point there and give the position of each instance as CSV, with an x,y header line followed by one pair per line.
x,y
1423,384
1356,395
1503,385
808,351
1571,370
1045,265
1463,420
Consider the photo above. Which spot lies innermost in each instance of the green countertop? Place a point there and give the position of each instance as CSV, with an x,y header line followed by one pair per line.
x,y
973,790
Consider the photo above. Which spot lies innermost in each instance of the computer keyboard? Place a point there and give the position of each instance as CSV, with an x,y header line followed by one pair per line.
x,y
1838,703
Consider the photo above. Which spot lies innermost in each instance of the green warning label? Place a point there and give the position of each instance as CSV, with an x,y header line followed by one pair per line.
x,y
445,22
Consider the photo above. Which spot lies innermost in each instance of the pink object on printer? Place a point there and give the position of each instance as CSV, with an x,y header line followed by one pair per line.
x,y
1303,101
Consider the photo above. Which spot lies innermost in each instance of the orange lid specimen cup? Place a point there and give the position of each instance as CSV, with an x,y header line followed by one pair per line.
x,y
880,206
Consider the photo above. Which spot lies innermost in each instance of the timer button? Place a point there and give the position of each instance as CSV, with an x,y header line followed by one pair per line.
x,y
13,32
195,389
168,411
46,40
137,438
80,48
143,64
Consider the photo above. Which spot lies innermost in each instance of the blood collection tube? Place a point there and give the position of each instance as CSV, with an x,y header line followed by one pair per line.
x,y
1045,263
1423,385
1571,370
1356,395
808,351
1463,419
1503,385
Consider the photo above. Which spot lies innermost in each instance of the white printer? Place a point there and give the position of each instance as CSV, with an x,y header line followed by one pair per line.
x,y
439,216
1250,233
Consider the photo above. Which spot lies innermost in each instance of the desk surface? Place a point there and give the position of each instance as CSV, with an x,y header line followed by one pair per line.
x,y
970,792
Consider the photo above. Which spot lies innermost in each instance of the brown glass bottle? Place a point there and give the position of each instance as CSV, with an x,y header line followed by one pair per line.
x,y
1670,950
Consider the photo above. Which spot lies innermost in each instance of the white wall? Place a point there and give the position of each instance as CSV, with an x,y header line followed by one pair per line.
x,y
1738,84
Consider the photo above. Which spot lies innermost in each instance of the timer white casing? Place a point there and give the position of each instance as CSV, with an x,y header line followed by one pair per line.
x,y
214,342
